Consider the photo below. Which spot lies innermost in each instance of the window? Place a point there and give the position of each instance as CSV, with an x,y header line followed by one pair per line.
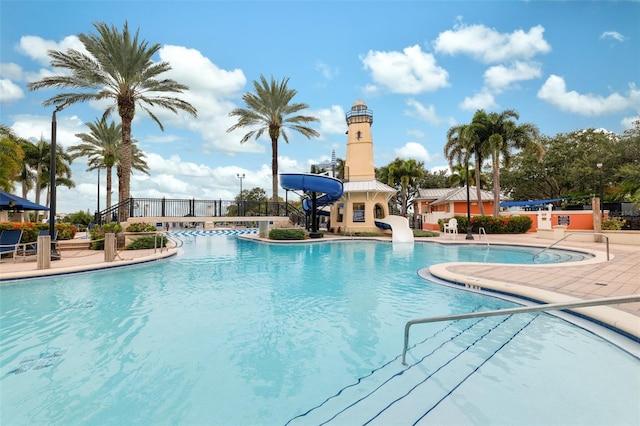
x,y
358,212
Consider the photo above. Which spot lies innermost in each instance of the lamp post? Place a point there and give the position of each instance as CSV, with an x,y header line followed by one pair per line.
x,y
466,166
52,181
241,209
599,165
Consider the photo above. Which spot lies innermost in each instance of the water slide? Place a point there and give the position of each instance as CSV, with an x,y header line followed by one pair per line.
x,y
331,188
399,225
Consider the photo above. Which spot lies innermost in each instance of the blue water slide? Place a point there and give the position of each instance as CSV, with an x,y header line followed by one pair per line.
x,y
330,187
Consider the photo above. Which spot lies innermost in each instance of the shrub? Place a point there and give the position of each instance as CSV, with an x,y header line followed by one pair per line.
x,y
613,224
493,225
141,227
287,234
148,243
30,230
98,232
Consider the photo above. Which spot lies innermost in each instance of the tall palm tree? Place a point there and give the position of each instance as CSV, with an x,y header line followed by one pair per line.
x,y
100,146
270,110
502,135
118,67
462,142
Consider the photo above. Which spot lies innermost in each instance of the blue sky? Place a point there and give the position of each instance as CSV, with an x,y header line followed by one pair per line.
x,y
421,67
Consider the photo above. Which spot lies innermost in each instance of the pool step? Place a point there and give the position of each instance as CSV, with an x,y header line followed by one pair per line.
x,y
398,394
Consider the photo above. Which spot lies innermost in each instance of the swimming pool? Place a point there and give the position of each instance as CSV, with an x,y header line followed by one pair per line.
x,y
239,332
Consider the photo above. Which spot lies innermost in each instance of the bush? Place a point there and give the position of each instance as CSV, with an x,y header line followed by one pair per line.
x,y
99,231
613,224
493,225
141,227
148,243
30,230
287,234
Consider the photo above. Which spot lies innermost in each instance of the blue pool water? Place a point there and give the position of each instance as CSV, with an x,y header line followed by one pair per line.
x,y
235,332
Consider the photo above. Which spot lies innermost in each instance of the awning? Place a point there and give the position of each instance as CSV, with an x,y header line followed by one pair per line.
x,y
530,202
13,202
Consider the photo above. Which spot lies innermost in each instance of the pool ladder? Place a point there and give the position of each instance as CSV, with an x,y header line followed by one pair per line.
x,y
520,310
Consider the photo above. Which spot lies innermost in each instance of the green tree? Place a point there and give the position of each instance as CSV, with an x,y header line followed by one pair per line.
x,y
118,67
270,110
462,142
498,133
103,148
11,158
403,175
437,179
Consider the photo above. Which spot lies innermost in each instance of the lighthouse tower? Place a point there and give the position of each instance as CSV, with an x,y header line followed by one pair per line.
x,y
364,198
359,162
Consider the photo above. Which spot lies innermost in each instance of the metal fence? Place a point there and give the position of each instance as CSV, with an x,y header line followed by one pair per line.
x,y
164,207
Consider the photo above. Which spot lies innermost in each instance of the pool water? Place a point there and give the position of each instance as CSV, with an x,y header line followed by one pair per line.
x,y
235,332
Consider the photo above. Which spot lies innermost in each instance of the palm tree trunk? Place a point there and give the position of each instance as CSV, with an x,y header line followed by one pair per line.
x,y
274,169
478,189
109,183
496,184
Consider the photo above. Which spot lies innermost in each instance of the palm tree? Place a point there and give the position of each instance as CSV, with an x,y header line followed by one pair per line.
x,y
269,110
403,175
461,143
502,135
118,67
101,146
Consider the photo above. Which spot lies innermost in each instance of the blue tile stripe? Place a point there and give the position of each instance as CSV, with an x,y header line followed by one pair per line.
x,y
206,232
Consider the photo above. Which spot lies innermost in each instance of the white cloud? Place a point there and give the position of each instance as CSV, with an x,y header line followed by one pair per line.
x,y
411,71
500,77
34,127
490,46
332,120
9,91
421,112
481,100
554,91
413,150
11,71
36,47
614,35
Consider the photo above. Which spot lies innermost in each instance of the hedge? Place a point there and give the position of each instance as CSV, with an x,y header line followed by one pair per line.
x,y
493,225
30,230
287,234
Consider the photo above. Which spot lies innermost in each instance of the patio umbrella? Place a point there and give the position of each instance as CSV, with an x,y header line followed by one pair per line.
x,y
13,202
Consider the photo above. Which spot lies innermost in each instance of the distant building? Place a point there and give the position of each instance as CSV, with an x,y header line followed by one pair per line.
x,y
444,203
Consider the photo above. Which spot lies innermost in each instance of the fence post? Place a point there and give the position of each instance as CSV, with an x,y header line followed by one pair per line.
x,y
44,252
109,247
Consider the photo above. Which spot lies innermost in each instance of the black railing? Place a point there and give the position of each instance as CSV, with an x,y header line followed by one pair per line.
x,y
164,207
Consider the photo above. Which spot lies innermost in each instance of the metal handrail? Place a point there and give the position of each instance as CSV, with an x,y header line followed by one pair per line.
x,y
481,231
575,233
520,310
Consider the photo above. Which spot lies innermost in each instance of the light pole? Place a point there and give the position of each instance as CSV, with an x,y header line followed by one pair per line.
x,y
466,166
52,181
599,165
241,209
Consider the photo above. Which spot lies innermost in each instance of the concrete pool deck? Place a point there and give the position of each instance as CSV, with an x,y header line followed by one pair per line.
x,y
552,283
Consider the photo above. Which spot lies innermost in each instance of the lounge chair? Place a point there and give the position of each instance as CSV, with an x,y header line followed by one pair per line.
x,y
10,242
27,249
451,228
